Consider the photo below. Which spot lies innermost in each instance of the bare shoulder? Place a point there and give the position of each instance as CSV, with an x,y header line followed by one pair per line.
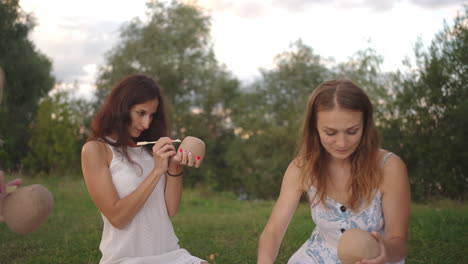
x,y
393,163
93,146
294,169
296,164
293,174
394,172
96,150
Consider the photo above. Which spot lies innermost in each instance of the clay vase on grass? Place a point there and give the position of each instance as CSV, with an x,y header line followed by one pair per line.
x,y
24,209
356,244
194,145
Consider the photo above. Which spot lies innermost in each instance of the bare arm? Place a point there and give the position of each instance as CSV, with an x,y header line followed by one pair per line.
x,y
3,190
396,202
281,216
119,211
173,191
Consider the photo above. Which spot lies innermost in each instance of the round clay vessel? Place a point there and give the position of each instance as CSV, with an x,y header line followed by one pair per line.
x,y
357,244
26,208
194,145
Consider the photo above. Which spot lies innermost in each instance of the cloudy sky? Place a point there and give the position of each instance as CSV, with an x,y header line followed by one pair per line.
x,y
246,34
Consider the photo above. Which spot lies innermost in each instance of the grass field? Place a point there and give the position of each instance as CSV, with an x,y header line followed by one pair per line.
x,y
213,223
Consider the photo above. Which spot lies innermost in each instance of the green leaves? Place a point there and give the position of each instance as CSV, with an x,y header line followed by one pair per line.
x,y
267,120
250,133
28,79
428,125
57,136
175,49
172,47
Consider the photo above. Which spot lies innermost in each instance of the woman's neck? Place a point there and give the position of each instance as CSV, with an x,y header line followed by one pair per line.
x,y
339,170
338,163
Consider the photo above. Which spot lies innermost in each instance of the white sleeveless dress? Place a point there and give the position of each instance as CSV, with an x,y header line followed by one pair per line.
x,y
149,237
321,247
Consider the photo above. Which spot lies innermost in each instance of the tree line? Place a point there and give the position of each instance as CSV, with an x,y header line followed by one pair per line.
x,y
250,130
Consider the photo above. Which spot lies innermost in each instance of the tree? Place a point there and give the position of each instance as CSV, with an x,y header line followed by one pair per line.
x,y
267,120
174,48
57,136
28,78
363,68
269,115
428,121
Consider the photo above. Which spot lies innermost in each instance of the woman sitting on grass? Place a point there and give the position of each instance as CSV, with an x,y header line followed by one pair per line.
x,y
350,182
136,188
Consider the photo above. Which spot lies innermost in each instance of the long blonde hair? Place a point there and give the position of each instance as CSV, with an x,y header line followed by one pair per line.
x,y
312,157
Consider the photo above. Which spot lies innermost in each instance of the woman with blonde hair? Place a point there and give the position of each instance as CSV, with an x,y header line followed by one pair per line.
x,y
350,182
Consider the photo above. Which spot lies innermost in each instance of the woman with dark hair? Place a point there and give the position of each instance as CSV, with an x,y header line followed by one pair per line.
x,y
136,188
350,182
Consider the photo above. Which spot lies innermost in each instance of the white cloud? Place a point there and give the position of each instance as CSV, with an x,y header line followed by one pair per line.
x,y
247,34
76,34
240,8
438,3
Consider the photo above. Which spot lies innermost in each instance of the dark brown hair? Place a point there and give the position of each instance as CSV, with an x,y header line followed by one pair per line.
x,y
312,158
114,116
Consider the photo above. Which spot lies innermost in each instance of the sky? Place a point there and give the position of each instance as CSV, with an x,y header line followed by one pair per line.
x,y
246,35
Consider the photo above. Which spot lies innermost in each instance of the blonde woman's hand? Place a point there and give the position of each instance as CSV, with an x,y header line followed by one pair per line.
x,y
163,150
382,258
3,187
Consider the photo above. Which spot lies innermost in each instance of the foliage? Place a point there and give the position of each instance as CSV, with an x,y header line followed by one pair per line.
x,y
363,68
28,75
250,133
428,124
268,117
174,48
57,136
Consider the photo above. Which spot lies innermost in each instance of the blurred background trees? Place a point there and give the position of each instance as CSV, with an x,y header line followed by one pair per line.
x,y
267,120
57,136
28,79
174,47
250,129
427,122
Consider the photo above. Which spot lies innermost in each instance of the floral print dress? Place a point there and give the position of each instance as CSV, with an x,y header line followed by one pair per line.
x,y
321,247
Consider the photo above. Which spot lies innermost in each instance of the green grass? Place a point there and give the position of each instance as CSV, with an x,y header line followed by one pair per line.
x,y
212,223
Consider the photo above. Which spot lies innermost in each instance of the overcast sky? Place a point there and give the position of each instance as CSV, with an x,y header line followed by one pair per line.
x,y
246,34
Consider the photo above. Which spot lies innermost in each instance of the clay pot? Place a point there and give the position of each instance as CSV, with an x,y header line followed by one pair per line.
x,y
26,208
357,244
194,145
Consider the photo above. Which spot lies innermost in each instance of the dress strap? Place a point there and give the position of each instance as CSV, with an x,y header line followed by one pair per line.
x,y
385,158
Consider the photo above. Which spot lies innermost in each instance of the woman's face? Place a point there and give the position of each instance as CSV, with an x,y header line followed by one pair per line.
x,y
141,116
340,131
